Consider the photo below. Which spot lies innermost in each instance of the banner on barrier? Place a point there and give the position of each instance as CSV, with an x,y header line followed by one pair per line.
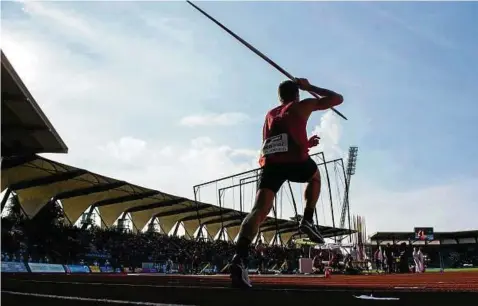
x,y
95,269
107,269
149,270
13,267
77,269
46,268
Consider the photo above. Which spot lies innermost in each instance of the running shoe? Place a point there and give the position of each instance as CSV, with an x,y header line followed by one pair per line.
x,y
311,231
239,273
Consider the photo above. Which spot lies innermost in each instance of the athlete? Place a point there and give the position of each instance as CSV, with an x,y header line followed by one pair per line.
x,y
284,156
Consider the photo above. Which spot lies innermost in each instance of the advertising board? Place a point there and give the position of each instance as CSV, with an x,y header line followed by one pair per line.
x,y
107,269
46,268
13,267
77,269
95,269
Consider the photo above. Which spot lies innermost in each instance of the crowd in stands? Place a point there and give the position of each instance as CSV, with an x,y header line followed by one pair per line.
x,y
46,238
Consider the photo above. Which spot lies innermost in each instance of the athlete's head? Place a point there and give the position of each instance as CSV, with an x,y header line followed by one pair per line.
x,y
288,91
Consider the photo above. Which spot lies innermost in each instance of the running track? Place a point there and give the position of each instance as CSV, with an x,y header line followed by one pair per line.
x,y
453,281
155,289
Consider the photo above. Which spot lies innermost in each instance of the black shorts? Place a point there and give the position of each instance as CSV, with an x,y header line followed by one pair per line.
x,y
274,175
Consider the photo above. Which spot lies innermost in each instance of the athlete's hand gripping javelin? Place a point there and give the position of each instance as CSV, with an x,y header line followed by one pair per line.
x,y
314,141
303,83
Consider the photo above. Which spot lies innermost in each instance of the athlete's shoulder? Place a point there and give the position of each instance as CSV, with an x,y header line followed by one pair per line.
x,y
274,111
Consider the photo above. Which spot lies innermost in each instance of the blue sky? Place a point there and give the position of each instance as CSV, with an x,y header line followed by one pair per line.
x,y
156,94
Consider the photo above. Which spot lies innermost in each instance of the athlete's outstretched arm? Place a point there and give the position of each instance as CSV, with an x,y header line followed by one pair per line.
x,y
328,98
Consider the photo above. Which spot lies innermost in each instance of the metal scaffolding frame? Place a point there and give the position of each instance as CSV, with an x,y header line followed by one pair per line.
x,y
252,177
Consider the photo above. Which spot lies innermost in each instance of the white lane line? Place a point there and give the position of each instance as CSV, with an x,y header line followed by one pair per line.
x,y
370,297
77,298
415,288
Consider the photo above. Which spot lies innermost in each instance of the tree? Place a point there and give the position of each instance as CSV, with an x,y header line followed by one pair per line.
x,y
50,215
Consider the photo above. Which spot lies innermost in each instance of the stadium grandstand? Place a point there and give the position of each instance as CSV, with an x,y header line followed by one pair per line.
x,y
38,182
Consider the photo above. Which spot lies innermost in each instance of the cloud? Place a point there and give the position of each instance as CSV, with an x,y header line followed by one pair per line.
x,y
127,149
330,132
170,168
214,119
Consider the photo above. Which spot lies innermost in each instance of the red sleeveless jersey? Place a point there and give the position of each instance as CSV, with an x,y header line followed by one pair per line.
x,y
284,138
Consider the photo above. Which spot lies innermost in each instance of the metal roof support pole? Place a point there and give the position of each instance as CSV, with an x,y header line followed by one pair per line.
x,y
221,233
258,236
207,231
293,202
199,231
132,222
275,216
64,214
330,191
20,205
102,220
347,195
196,191
176,229
161,228
5,197
240,197
221,193
209,234
186,233
90,212
151,223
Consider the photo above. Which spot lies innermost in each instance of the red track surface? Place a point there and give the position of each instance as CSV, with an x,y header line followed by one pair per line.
x,y
451,281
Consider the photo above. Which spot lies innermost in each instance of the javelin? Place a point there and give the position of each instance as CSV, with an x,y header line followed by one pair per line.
x,y
245,43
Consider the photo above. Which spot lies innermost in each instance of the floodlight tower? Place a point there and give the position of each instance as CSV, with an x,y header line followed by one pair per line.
x,y
351,165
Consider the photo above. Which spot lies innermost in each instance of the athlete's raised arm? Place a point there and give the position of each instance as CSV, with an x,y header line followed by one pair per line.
x,y
328,98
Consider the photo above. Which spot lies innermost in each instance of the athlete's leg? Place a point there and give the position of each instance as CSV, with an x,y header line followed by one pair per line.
x,y
270,182
307,172
250,225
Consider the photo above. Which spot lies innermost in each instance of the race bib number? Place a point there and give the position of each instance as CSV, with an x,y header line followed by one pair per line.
x,y
275,144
